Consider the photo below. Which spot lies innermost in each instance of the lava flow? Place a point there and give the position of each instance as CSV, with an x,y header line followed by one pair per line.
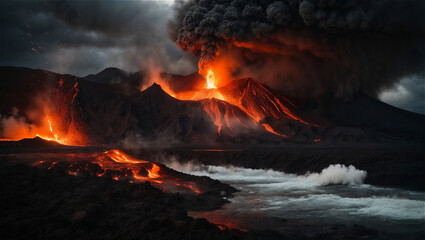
x,y
248,96
45,131
270,129
113,164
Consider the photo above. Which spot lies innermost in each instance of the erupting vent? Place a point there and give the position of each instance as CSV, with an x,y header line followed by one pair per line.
x,y
77,113
210,79
248,96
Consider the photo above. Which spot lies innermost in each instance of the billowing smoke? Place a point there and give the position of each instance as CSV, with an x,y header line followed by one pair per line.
x,y
305,47
15,126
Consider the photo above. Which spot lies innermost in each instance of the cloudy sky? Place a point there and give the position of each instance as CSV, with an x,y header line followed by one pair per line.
x,y
83,37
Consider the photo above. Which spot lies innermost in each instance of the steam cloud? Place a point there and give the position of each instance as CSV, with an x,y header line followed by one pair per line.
x,y
13,127
338,174
305,47
333,174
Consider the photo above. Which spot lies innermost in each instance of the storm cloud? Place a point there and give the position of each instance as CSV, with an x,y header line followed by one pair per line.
x,y
408,94
297,47
82,37
304,47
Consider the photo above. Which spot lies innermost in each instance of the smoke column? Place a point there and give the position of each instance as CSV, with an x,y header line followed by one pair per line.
x,y
305,47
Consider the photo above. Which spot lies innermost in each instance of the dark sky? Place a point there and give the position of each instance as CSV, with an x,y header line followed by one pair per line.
x,y
83,37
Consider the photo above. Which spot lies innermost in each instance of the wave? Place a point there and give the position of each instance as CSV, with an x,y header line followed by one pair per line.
x,y
333,174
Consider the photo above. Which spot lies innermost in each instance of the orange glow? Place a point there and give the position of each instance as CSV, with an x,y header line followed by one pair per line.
x,y
114,164
121,157
223,227
210,79
52,135
51,131
75,89
51,120
191,185
154,171
210,90
270,129
251,97
317,140
221,220
214,112
47,129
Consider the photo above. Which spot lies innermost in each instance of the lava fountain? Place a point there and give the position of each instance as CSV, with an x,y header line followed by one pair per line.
x,y
210,79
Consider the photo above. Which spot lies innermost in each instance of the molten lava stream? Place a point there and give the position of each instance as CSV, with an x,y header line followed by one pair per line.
x,y
116,165
270,129
121,157
212,108
45,131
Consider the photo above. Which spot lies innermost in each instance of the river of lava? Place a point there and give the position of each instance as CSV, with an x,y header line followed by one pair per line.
x,y
113,164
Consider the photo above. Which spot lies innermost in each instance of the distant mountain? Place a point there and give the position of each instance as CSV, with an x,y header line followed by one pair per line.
x,y
365,111
108,76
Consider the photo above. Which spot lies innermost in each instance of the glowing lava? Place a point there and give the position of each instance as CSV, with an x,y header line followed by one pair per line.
x,y
116,165
247,95
55,138
46,130
119,156
154,171
210,79
270,129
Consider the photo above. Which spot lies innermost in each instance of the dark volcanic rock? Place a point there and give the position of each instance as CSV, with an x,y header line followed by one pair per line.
x,y
108,113
44,204
196,122
108,76
399,166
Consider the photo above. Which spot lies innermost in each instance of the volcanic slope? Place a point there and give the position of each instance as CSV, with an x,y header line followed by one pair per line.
x,y
109,113
190,121
358,119
113,112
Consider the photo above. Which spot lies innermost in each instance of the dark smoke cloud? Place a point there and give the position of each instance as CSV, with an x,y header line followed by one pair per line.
x,y
306,47
82,37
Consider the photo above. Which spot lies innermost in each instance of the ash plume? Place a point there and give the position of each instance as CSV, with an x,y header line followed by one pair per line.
x,y
306,47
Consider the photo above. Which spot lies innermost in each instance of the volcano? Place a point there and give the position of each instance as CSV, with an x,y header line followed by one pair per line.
x,y
122,129
99,110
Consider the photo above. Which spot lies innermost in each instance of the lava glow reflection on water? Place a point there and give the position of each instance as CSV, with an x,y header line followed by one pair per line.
x,y
275,200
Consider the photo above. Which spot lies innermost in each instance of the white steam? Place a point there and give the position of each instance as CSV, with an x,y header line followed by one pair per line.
x,y
136,142
274,193
338,174
15,126
334,174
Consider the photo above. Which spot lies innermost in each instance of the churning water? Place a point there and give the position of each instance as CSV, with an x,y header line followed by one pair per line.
x,y
336,195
